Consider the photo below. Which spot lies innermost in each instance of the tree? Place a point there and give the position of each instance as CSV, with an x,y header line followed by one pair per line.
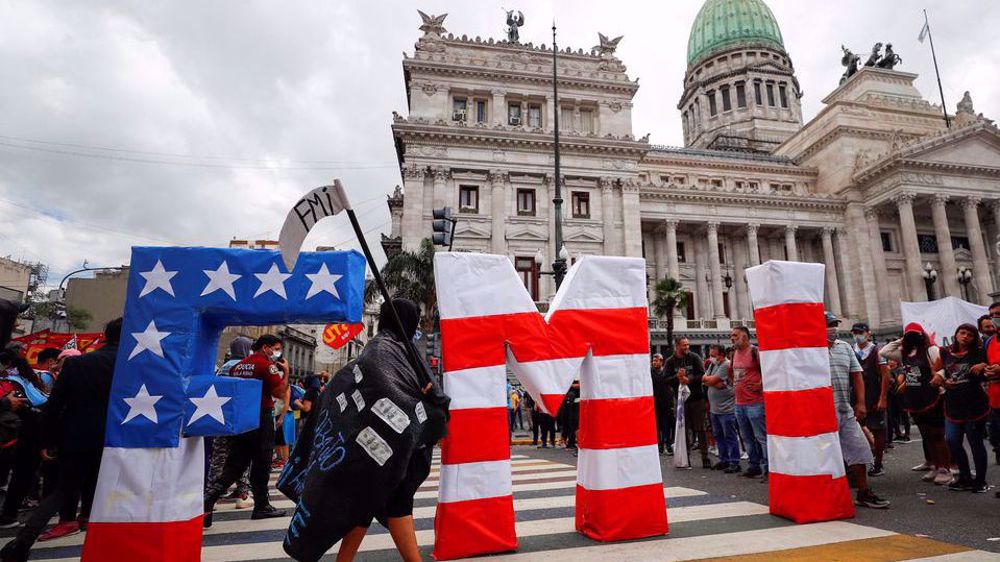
x,y
669,296
410,275
77,318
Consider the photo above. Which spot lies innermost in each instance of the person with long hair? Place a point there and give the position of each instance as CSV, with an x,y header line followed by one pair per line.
x,y
966,406
917,357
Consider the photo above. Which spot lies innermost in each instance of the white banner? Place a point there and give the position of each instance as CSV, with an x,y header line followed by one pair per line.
x,y
942,317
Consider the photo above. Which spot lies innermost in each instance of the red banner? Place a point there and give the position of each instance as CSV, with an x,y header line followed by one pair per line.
x,y
40,340
337,335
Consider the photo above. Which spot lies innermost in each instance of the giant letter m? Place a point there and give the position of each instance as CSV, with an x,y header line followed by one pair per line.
x,y
596,329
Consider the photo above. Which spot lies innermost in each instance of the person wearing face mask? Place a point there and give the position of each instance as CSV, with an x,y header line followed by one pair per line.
x,y
875,373
917,357
253,449
845,375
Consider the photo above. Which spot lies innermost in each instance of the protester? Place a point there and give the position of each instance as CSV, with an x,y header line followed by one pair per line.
x,y
986,327
73,420
876,380
22,380
899,420
571,409
722,409
313,387
966,406
253,448
282,408
845,374
992,372
749,387
662,404
548,428
922,399
533,417
689,368
47,360
219,447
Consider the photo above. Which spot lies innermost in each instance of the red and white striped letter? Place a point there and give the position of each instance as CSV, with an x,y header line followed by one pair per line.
x,y
596,326
807,480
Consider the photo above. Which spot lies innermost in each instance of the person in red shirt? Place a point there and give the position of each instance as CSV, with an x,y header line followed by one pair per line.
x,y
749,401
254,449
992,346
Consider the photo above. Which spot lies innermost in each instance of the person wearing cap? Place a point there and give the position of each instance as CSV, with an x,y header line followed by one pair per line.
x,y
920,384
845,373
875,373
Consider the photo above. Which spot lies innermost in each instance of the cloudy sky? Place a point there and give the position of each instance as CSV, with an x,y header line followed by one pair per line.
x,y
150,123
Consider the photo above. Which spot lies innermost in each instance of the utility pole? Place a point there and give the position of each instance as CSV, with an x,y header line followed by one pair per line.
x,y
559,265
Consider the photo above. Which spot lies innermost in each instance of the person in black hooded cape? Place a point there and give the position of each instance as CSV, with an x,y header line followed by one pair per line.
x,y
366,447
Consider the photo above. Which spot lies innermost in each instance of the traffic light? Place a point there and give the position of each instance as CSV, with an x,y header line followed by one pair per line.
x,y
444,227
434,344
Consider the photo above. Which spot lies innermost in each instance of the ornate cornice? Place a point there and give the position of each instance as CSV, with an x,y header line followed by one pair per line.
x,y
726,161
829,203
529,73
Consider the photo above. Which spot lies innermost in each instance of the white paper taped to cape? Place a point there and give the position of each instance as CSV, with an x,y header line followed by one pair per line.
x,y
942,317
322,202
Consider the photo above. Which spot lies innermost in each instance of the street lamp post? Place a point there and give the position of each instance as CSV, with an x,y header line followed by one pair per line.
x,y
559,264
964,278
930,276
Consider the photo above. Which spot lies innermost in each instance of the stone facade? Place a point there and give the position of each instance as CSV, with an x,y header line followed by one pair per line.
x,y
874,186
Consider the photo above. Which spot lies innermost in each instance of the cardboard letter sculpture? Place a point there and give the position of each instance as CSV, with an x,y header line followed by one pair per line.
x,y
807,481
597,327
149,499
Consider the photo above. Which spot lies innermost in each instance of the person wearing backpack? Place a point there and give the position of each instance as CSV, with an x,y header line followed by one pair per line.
x,y
749,401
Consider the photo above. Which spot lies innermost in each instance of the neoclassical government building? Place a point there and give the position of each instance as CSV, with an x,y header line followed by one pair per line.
x,y
875,185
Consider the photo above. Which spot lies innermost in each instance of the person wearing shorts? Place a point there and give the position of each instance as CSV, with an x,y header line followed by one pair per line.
x,y
845,367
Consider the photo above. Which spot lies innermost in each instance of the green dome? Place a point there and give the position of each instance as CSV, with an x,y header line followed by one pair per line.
x,y
724,23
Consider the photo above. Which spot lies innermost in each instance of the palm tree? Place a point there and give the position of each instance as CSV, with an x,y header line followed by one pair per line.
x,y
669,296
410,275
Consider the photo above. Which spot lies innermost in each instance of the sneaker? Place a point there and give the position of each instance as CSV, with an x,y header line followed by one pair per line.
x,y
234,495
752,472
713,451
7,522
876,470
244,502
979,487
64,529
744,456
670,451
943,477
922,467
267,512
733,468
960,485
869,499
930,476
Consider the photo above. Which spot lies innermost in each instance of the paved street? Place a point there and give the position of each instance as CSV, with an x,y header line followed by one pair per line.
x,y
711,515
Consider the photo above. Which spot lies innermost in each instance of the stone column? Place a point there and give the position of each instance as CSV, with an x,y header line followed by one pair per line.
x,y
441,198
413,214
752,245
946,253
832,286
498,212
880,274
995,209
632,226
845,280
660,255
715,270
980,263
701,286
673,266
739,282
911,249
608,216
550,111
499,107
790,246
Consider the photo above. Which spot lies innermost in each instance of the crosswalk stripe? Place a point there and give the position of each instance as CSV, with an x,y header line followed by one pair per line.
x,y
433,483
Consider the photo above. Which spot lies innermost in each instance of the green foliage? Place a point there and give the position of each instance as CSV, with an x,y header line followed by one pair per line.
x,y
410,275
78,318
669,296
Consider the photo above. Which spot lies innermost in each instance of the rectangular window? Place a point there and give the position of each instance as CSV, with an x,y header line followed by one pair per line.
x,y
754,186
480,111
741,95
459,109
679,180
586,121
514,114
727,103
716,183
566,119
886,241
528,271
927,243
581,205
770,95
960,242
681,255
689,311
756,93
712,108
722,253
468,199
526,202
535,116
783,95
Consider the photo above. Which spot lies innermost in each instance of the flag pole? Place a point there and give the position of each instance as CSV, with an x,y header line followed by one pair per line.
x,y
944,108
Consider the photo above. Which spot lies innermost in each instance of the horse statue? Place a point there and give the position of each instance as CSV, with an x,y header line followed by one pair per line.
x,y
873,59
890,60
851,61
